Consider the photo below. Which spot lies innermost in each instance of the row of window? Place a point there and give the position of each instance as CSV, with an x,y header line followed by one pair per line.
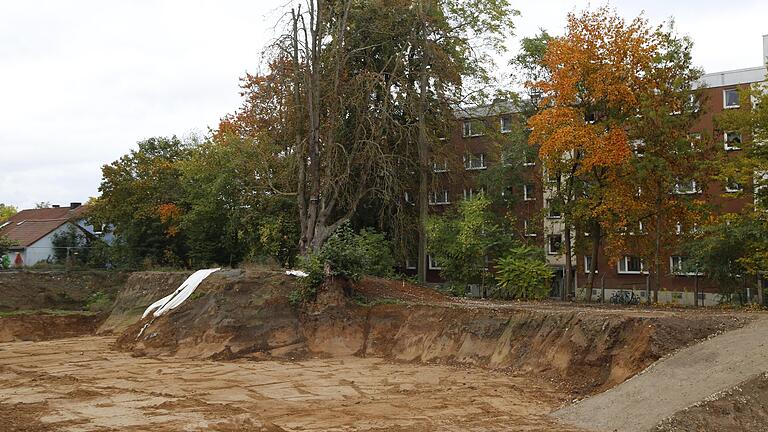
x,y
678,265
476,127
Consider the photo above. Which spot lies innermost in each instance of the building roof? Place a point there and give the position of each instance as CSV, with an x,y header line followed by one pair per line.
x,y
28,226
734,77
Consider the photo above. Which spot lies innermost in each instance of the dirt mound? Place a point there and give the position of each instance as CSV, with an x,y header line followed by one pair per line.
x,y
40,327
373,288
61,290
140,290
741,408
249,315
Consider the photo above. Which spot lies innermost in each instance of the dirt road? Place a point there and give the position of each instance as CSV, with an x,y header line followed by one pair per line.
x,y
81,385
677,382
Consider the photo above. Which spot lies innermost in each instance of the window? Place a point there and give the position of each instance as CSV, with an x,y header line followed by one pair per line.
x,y
553,209
436,167
554,243
433,265
472,128
588,264
730,98
410,264
408,198
638,147
439,198
529,192
506,123
529,157
527,231
732,186
678,265
475,161
678,228
631,265
471,193
732,140
686,187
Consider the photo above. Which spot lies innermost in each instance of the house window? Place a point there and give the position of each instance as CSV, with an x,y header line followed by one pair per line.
x,y
588,264
433,265
554,244
472,128
730,98
527,231
732,186
410,264
408,198
638,147
475,161
678,265
529,157
506,123
471,193
686,187
553,209
631,265
439,198
438,168
529,192
732,140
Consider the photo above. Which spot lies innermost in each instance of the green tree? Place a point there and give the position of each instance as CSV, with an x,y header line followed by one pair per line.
x,y
140,199
466,242
71,246
523,273
6,211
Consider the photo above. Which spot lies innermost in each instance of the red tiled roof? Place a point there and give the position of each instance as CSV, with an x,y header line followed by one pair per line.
x,y
28,226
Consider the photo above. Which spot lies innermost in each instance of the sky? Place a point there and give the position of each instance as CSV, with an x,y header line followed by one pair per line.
x,y
82,81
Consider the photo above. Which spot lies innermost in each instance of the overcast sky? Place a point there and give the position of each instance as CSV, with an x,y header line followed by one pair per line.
x,y
82,81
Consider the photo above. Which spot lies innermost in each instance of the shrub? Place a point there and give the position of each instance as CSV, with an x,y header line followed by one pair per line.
x,y
523,274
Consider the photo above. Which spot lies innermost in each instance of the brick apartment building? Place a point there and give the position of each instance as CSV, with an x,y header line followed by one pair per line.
x,y
472,148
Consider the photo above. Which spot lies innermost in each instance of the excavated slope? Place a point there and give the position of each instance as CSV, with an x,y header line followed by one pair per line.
x,y
247,314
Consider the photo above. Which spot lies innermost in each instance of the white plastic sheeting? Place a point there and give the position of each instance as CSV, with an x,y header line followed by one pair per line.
x,y
182,293
297,273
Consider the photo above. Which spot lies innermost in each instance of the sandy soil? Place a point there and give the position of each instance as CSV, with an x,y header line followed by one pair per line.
x,y
82,385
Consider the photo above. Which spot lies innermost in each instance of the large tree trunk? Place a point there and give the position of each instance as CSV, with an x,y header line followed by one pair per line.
x,y
595,233
568,276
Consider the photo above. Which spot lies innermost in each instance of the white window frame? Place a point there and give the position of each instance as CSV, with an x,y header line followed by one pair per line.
x,y
525,159
527,229
729,189
468,159
471,193
549,244
433,198
410,265
587,258
549,210
438,169
677,270
432,263
725,99
501,123
727,145
408,198
678,228
625,260
636,146
467,129
526,196
692,191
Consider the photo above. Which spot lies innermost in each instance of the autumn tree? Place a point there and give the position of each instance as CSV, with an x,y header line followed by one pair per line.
x,y
657,201
597,80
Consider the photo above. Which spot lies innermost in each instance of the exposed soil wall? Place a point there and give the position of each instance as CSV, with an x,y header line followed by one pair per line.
x,y
62,290
139,290
40,327
248,315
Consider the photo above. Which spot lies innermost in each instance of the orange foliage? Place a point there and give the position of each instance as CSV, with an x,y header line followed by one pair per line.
x,y
170,214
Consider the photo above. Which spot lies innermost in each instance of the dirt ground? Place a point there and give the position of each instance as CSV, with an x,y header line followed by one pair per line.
x,y
80,384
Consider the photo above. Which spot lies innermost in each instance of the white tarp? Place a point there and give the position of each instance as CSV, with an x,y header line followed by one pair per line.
x,y
297,273
183,292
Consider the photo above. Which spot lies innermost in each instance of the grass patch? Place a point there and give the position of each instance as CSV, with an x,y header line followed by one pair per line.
x,y
363,301
59,312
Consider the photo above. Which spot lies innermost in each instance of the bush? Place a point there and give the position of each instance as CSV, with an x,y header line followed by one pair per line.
x,y
523,274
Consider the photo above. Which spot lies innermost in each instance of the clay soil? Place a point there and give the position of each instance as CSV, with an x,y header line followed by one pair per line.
x,y
81,384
